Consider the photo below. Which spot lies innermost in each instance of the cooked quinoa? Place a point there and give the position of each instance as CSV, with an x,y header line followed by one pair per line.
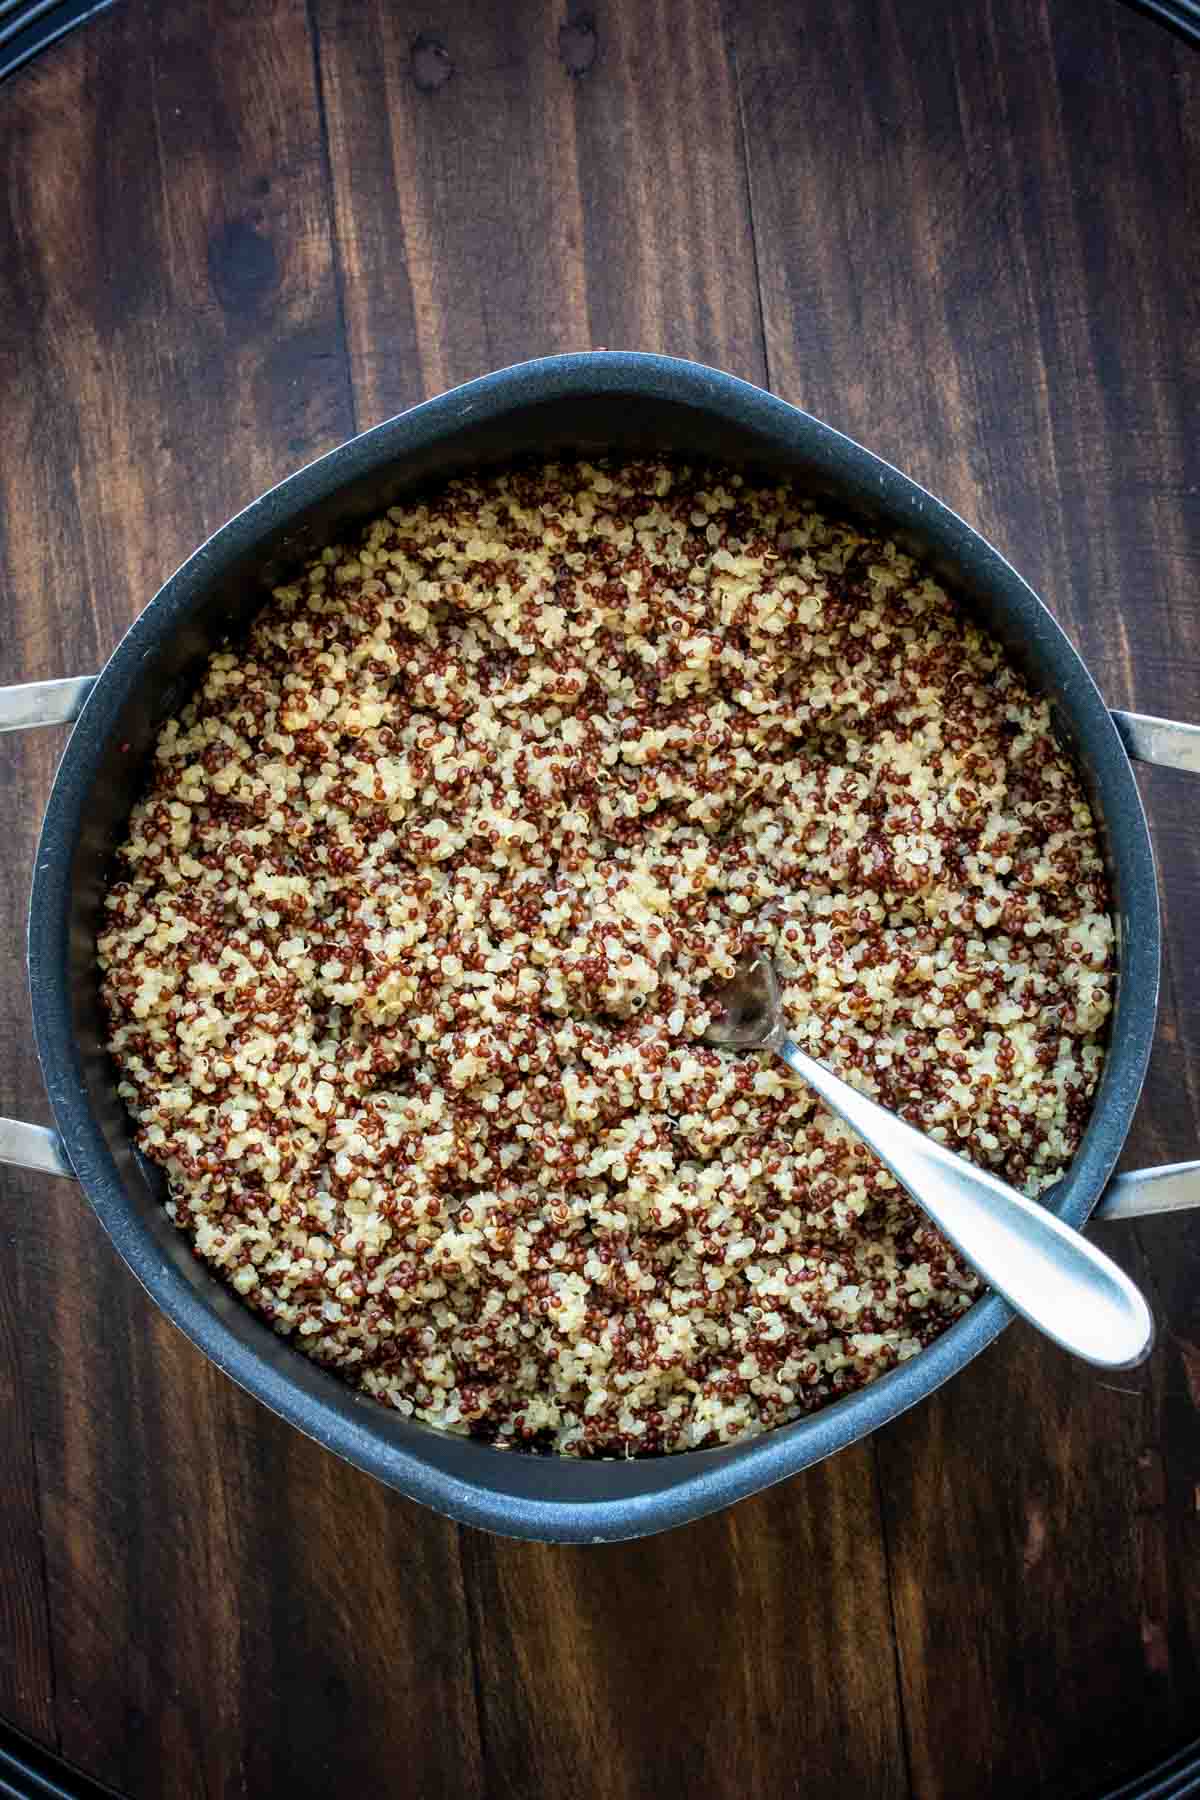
x,y
416,933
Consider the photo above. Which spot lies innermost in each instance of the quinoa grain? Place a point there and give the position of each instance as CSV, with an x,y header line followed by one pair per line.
x,y
413,941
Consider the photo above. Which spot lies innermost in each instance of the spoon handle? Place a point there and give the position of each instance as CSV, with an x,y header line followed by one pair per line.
x,y
1048,1272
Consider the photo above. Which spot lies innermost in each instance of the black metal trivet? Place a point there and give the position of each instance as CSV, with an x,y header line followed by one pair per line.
x,y
27,26
1179,16
27,1772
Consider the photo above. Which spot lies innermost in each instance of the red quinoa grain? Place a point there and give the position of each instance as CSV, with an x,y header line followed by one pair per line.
x,y
414,937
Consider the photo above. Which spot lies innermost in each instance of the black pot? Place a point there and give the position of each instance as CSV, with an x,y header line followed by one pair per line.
x,y
618,402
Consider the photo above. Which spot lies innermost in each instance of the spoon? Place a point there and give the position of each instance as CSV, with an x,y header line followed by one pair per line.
x,y
1052,1276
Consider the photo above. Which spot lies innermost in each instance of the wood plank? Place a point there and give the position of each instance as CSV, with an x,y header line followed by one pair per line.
x,y
999,301
221,1591
456,200
598,220
667,233
1027,1576
747,1654
27,1666
517,185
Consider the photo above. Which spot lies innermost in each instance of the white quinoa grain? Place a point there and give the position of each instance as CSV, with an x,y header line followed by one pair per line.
x,y
414,938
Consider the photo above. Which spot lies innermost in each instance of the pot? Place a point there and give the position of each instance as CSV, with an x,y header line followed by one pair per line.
x,y
623,403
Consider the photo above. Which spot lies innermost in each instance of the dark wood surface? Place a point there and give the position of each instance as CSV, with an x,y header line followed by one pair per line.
x,y
966,232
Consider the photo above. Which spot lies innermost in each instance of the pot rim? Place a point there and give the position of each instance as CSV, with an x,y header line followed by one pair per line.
x,y
688,1484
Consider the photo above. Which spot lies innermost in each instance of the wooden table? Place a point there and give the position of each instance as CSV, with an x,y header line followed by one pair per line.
x,y
967,232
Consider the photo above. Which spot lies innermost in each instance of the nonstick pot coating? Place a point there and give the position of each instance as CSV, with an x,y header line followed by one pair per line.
x,y
620,403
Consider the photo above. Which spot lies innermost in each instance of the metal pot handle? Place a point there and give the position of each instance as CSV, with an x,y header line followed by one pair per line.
x,y
1173,1188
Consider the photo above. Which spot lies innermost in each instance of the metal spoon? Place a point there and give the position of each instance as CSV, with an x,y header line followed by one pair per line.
x,y
1047,1271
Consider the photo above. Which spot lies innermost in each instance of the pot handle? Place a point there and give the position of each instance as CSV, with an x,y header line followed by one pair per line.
x,y
44,702
39,703
1173,1188
33,1147
1164,742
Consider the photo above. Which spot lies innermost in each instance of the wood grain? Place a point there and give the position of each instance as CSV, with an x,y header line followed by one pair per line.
x,y
591,217
966,233
27,1667
457,204
667,233
181,350
523,183
747,1654
1045,382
